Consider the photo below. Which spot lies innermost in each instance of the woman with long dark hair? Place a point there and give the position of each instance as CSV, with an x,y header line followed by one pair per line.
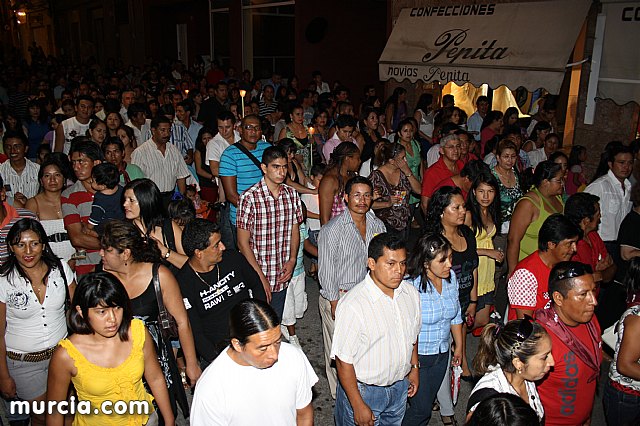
x,y
395,109
370,120
106,358
537,137
445,216
343,165
429,270
34,290
424,116
490,128
143,206
483,217
134,260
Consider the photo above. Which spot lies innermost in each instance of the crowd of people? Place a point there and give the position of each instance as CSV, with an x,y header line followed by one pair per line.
x,y
158,225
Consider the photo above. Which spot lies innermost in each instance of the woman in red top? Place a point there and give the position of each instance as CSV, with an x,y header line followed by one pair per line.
x,y
583,209
491,126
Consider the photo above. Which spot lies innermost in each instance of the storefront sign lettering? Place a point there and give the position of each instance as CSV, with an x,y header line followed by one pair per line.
x,y
448,44
436,73
402,71
454,10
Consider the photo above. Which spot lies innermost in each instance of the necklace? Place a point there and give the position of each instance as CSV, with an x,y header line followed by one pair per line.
x,y
202,279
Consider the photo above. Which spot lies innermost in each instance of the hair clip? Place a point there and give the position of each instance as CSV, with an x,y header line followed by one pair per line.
x,y
497,330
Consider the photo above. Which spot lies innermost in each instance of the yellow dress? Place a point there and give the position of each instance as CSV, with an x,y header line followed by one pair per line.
x,y
123,383
486,265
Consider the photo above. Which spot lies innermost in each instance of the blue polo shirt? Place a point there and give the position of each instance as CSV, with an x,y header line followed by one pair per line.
x,y
236,163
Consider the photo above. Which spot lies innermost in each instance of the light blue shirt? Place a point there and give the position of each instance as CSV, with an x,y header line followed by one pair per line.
x,y
439,313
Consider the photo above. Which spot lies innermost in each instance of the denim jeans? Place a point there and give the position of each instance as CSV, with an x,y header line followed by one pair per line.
x,y
432,371
388,403
228,234
277,302
620,409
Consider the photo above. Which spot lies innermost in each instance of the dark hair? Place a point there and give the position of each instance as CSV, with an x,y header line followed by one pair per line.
x,y
579,206
339,154
475,168
186,104
540,125
389,151
318,169
149,199
605,157
428,248
557,154
504,145
160,119
357,180
574,156
199,144
474,207
182,211
226,115
502,345
136,108
112,140
273,153
95,123
563,275
13,237
84,145
122,235
490,118
546,170
287,145
290,108
439,201
384,241
556,228
250,317
84,98
504,409
106,174
196,234
425,101
508,113
16,134
631,280
99,289
345,121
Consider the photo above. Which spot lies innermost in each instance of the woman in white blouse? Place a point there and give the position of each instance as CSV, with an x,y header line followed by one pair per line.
x,y
512,358
33,298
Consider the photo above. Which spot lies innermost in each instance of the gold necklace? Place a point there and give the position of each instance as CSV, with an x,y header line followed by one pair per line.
x,y
202,279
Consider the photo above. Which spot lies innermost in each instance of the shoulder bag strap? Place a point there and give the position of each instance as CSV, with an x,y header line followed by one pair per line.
x,y
248,154
156,286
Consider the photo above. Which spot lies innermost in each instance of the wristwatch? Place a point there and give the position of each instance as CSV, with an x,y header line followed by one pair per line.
x,y
167,254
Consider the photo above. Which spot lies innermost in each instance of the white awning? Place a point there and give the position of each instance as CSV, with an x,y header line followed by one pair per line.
x,y
513,44
619,77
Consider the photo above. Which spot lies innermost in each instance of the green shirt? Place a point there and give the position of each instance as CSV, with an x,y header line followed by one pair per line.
x,y
134,173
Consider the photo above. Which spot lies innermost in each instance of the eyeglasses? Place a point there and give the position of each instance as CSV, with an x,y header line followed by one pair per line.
x,y
251,128
576,271
457,146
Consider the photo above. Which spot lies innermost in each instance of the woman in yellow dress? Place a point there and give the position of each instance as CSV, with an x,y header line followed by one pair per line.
x,y
483,217
105,358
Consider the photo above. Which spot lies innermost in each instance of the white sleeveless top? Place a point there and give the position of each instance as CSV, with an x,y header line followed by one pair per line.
x,y
64,250
613,371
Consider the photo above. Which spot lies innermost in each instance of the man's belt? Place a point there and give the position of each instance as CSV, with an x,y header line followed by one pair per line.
x,y
59,237
32,356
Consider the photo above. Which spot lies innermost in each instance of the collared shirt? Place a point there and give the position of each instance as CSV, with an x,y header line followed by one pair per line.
x,y
76,208
143,133
180,138
528,286
234,162
193,130
270,221
537,156
439,312
33,326
217,145
375,333
342,253
524,159
26,182
614,203
435,174
474,123
165,169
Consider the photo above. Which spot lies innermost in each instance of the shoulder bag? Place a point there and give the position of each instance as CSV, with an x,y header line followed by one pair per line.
x,y
167,324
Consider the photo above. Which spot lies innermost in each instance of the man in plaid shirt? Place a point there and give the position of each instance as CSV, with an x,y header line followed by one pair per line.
x,y
268,217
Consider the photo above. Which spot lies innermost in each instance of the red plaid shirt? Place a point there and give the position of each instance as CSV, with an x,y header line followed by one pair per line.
x,y
270,221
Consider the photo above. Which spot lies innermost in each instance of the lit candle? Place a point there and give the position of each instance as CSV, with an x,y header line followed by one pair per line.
x,y
311,130
242,93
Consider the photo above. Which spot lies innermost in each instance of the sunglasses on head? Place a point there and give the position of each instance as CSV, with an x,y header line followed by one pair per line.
x,y
525,328
575,271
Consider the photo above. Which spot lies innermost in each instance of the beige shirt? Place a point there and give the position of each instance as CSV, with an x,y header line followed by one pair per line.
x,y
376,333
165,169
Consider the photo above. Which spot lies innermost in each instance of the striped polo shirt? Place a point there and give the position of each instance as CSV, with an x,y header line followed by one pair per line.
x,y
13,215
236,163
76,208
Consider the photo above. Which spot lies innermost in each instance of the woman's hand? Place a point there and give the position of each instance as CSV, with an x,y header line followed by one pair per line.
x,y
457,357
193,372
8,387
497,255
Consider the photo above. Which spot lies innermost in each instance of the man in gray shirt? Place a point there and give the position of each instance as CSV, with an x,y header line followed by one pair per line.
x,y
342,257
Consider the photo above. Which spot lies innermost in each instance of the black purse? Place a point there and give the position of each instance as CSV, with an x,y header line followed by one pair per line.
x,y
166,322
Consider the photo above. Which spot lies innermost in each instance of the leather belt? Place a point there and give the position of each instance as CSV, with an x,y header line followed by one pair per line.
x,y
32,356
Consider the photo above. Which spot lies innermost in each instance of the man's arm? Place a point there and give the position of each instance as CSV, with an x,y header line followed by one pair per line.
x,y
328,267
59,139
304,416
347,375
628,252
290,265
230,185
80,240
204,346
182,184
414,373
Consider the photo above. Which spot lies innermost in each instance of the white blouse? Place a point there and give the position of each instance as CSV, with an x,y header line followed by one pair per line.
x,y
31,326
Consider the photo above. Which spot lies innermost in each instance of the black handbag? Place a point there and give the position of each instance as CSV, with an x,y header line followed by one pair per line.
x,y
166,322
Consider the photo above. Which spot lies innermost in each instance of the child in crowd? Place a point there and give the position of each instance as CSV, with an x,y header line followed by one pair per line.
x,y
107,202
202,207
295,303
313,213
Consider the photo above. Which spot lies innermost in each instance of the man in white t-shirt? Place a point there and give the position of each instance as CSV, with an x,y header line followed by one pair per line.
x,y
226,137
74,126
257,380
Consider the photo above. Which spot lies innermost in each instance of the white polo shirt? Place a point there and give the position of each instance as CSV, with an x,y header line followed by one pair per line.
x,y
614,203
165,169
